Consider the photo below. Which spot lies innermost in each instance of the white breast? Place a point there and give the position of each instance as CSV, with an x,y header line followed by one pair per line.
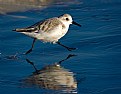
x,y
53,35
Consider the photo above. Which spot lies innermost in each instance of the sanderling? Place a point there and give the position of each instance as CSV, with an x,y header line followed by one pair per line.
x,y
49,30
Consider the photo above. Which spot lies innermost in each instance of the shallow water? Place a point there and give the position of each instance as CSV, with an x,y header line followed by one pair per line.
x,y
95,67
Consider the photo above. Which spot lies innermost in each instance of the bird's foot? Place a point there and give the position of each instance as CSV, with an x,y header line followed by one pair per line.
x,y
70,49
29,51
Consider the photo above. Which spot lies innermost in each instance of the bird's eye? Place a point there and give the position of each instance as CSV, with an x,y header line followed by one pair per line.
x,y
67,19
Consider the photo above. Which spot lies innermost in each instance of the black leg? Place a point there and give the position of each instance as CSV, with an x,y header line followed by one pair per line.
x,y
37,71
68,48
69,56
30,50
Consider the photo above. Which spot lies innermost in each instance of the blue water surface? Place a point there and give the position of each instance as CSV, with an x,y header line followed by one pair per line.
x,y
96,66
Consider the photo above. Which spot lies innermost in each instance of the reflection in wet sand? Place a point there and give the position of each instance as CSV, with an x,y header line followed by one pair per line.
x,y
7,6
53,77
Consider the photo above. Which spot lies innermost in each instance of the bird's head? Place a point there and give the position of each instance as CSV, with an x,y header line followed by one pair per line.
x,y
67,19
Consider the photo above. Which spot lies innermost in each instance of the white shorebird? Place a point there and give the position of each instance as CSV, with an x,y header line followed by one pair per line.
x,y
49,30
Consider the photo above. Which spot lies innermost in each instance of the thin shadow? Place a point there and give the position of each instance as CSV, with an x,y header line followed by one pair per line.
x,y
53,77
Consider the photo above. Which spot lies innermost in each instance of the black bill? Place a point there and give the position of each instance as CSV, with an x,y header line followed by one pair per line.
x,y
76,23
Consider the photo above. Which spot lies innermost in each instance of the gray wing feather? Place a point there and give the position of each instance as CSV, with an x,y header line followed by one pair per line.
x,y
45,25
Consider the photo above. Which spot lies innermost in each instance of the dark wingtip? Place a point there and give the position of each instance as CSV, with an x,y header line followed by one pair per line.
x,y
14,30
18,30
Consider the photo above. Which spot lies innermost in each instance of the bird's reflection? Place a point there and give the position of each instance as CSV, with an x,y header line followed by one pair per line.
x,y
52,77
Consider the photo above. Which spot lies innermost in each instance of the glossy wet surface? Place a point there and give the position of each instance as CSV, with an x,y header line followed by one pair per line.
x,y
95,67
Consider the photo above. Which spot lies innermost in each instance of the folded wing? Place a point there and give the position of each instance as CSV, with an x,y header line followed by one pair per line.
x,y
45,25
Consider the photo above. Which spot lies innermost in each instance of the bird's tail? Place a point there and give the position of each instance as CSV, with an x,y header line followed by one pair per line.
x,y
24,29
